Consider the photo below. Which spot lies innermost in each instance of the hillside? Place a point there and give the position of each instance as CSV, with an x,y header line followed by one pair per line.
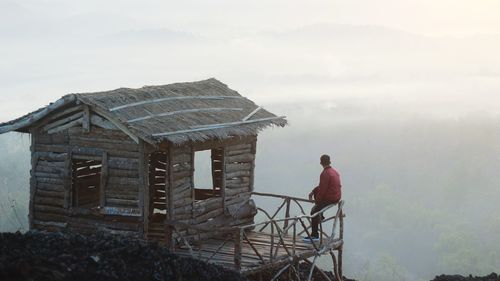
x,y
55,256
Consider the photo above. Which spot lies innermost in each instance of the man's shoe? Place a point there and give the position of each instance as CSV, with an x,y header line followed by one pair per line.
x,y
308,239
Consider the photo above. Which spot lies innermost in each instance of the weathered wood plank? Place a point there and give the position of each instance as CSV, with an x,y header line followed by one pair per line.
x,y
49,170
123,163
210,144
56,181
235,174
100,134
50,209
131,212
122,147
33,178
234,188
66,126
182,158
45,193
238,181
241,158
122,188
182,194
50,201
238,152
86,119
49,187
99,121
57,138
252,169
117,123
121,202
50,217
123,173
50,156
38,223
49,175
123,181
59,122
39,114
104,179
233,167
204,217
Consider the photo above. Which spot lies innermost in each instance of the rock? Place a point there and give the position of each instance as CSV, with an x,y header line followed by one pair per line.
x,y
43,256
491,277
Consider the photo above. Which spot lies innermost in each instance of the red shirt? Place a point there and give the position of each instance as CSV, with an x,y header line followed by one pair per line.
x,y
328,190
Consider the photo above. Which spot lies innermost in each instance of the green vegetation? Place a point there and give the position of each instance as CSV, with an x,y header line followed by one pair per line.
x,y
421,192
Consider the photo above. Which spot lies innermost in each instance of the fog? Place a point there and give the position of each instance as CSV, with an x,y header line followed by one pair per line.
x,y
402,94
421,193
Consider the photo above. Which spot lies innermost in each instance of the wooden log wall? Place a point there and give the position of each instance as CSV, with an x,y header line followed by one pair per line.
x,y
239,178
182,173
234,207
57,142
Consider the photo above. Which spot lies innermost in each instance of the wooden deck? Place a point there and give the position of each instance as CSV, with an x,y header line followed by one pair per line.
x,y
257,253
275,243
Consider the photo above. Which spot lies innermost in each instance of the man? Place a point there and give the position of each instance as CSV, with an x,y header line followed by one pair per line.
x,y
326,193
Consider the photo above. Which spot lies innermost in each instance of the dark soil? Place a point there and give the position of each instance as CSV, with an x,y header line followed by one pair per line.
x,y
303,274
491,277
42,256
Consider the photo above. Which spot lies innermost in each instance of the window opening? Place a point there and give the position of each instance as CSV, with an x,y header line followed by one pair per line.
x,y
86,182
157,186
208,173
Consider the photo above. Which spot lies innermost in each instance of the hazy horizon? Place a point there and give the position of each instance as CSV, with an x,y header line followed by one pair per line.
x,y
405,95
436,55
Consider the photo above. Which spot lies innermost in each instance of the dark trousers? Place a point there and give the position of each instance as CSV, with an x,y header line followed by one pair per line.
x,y
316,220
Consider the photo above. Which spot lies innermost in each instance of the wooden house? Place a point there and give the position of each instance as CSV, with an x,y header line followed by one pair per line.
x,y
122,161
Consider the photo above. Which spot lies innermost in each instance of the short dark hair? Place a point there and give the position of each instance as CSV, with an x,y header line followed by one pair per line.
x,y
325,159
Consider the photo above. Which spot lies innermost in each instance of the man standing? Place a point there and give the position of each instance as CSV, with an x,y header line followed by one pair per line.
x,y
326,193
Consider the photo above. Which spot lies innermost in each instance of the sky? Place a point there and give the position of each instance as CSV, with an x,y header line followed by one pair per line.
x,y
439,56
372,69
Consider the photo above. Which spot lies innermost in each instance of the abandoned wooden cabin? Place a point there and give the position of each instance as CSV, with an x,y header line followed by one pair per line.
x,y
122,161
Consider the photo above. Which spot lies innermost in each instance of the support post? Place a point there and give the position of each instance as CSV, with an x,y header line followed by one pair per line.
x,y
34,161
287,215
191,181
169,189
143,186
252,171
341,236
238,245
86,119
104,180
272,243
223,180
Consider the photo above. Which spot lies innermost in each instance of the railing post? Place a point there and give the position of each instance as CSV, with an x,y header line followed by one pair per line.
x,y
294,236
238,244
169,238
287,215
272,242
341,236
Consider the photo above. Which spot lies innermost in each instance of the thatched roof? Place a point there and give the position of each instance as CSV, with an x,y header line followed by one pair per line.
x,y
192,111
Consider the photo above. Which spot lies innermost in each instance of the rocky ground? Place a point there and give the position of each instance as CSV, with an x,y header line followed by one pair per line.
x,y
39,256
52,256
491,277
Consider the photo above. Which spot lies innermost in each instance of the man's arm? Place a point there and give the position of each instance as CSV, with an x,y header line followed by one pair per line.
x,y
313,193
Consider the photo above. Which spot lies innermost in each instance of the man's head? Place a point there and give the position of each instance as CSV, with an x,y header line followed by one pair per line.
x,y
324,160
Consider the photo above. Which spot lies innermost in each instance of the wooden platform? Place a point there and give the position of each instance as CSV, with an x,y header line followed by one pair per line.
x,y
275,243
221,251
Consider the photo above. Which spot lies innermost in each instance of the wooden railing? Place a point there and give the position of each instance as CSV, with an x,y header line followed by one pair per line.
x,y
282,249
